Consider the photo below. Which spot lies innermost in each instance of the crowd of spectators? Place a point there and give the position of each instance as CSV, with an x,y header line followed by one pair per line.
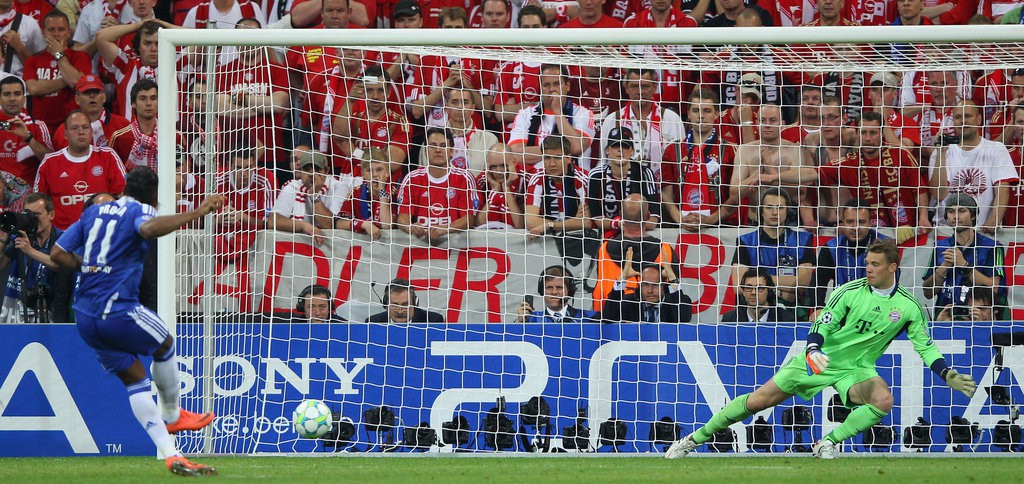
x,y
314,138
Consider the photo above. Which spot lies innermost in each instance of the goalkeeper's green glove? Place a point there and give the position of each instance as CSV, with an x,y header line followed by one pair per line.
x,y
961,383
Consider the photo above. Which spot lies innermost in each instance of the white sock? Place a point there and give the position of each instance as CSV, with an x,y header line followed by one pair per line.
x,y
168,387
148,416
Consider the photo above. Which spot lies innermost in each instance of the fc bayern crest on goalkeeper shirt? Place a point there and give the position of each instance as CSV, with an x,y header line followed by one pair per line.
x,y
895,316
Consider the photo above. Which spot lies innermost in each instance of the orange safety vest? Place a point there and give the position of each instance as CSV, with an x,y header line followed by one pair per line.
x,y
609,271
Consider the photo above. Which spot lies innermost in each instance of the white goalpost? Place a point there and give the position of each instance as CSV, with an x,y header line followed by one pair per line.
x,y
260,115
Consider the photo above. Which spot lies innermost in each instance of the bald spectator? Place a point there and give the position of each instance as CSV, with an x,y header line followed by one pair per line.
x,y
502,188
632,239
730,14
72,175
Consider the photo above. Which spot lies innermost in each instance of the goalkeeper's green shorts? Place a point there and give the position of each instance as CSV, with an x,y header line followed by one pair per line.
x,y
792,378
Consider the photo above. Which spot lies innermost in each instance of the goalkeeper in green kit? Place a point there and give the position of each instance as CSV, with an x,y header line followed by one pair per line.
x,y
857,324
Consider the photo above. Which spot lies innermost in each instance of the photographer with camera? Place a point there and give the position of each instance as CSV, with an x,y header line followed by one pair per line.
x,y
977,307
37,291
966,260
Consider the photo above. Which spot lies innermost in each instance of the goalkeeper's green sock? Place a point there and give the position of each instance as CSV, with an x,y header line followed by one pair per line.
x,y
734,411
860,419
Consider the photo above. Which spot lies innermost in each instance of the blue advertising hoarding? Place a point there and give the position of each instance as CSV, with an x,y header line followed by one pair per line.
x,y
56,400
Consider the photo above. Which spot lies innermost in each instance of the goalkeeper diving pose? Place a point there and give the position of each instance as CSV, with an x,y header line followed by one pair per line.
x,y
857,324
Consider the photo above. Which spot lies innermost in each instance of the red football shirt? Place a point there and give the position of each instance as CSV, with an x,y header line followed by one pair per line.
x,y
874,181
263,80
17,158
71,180
52,108
438,201
103,130
1014,216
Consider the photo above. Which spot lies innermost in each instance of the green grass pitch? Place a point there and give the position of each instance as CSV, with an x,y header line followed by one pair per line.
x,y
527,469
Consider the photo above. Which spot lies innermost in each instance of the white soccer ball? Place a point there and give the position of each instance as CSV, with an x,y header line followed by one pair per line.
x,y
311,419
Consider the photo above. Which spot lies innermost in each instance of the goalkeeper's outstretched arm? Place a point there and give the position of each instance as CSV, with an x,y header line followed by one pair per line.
x,y
920,336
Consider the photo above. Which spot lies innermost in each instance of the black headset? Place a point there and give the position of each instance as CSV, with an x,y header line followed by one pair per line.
x,y
557,271
300,305
399,284
779,192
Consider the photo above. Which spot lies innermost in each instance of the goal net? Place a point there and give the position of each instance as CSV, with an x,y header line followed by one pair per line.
x,y
432,232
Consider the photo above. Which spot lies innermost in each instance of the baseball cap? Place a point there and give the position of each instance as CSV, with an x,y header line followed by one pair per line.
x,y
406,8
620,136
88,82
315,158
750,83
885,79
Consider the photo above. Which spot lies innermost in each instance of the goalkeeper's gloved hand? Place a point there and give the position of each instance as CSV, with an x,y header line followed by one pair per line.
x,y
817,362
961,383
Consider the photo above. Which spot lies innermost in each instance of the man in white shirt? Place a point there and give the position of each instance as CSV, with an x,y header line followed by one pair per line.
x,y
976,166
309,203
555,114
654,128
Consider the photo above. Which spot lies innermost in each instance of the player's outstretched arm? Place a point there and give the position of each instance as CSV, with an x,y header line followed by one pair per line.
x,y
65,259
165,224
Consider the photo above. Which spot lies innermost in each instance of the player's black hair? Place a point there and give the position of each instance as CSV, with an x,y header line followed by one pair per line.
x,y
534,10
92,199
141,184
148,28
142,85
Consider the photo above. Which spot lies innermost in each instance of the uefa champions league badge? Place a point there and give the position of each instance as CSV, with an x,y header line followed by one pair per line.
x,y
97,171
895,316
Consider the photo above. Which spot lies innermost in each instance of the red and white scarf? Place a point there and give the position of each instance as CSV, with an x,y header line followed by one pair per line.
x,y
143,152
7,18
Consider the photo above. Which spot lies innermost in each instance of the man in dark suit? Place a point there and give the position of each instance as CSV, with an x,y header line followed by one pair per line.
x,y
402,306
316,305
658,299
558,287
756,303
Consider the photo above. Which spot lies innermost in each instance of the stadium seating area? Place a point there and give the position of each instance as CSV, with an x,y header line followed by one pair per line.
x,y
309,139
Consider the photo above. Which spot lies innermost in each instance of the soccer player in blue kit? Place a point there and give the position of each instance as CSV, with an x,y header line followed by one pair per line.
x,y
107,246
